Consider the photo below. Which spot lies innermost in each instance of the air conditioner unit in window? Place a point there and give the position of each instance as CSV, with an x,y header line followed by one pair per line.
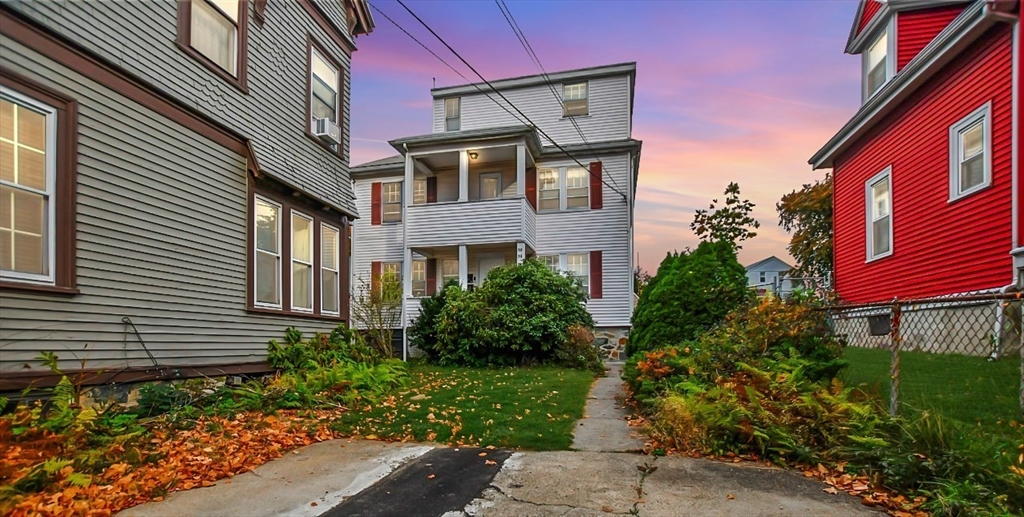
x,y
327,131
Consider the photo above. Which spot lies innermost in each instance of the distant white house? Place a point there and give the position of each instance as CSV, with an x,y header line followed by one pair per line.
x,y
770,276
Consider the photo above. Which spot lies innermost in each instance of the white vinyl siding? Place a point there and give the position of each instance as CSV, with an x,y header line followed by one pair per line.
x,y
329,269
302,262
268,253
608,117
28,140
970,153
879,215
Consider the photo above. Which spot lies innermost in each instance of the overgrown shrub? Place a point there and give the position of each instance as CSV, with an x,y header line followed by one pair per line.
x,y
520,315
423,331
579,351
341,345
691,292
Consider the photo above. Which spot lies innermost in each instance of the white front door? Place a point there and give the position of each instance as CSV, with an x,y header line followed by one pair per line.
x,y
489,263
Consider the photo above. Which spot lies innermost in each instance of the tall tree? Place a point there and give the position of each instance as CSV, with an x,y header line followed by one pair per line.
x,y
807,214
730,223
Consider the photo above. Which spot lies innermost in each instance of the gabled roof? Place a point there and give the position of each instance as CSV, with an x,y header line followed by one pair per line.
x,y
866,11
539,79
764,262
390,163
364,18
872,15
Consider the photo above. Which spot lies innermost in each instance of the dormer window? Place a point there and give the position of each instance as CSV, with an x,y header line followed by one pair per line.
x,y
877,66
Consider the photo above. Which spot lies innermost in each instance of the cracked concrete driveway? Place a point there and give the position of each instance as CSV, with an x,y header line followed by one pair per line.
x,y
604,475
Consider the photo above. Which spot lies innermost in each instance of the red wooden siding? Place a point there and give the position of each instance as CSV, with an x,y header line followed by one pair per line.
x,y
596,187
916,29
596,275
531,186
938,247
376,210
1020,136
375,272
871,7
432,189
431,276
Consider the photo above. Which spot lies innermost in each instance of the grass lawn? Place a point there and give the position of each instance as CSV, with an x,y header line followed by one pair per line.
x,y
970,389
523,408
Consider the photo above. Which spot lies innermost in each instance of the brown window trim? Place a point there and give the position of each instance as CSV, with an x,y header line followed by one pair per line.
x,y
184,42
310,44
65,188
291,200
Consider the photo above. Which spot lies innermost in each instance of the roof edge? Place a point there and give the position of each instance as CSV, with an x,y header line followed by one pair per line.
x,y
961,31
537,79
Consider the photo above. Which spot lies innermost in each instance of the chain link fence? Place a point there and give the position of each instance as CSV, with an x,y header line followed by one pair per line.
x,y
957,355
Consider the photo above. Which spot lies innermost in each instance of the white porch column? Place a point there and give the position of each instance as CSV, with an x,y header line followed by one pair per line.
x,y
463,266
520,252
463,176
521,170
410,173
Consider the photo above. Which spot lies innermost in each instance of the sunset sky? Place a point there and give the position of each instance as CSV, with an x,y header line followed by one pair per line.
x,y
726,90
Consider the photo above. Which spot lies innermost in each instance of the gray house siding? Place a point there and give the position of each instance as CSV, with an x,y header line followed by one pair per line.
x,y
161,238
608,120
272,114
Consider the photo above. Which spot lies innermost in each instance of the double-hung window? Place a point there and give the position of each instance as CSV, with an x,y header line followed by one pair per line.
x,y
577,187
551,261
577,265
449,271
763,277
268,253
419,192
27,188
970,153
214,32
392,268
574,99
302,262
452,114
324,88
547,186
879,215
392,199
329,269
878,64
419,278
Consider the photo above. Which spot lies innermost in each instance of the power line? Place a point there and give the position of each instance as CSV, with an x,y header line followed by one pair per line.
x,y
521,36
495,90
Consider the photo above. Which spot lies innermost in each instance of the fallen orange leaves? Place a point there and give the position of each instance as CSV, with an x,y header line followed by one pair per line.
x,y
213,449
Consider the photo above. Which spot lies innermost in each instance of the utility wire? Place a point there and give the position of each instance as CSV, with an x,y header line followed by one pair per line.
x,y
495,90
521,36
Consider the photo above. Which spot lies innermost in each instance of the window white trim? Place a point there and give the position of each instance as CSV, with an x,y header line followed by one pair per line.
x,y
49,195
562,177
446,277
291,270
869,207
585,98
889,31
412,273
336,270
457,119
385,201
334,86
257,251
419,191
983,116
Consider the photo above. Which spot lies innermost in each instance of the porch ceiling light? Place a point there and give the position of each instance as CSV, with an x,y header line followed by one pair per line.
x,y
473,155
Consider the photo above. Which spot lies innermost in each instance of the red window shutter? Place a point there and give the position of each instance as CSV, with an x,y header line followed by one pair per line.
x,y
531,186
432,189
431,276
375,270
596,187
376,208
596,275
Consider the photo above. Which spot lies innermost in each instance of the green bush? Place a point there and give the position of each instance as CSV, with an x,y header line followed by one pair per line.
x,y
691,292
341,345
423,331
579,352
520,315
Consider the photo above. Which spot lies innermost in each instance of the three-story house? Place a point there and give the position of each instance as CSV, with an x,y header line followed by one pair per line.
x,y
174,182
552,178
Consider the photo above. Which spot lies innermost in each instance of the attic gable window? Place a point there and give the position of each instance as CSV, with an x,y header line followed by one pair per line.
x,y
878,64
575,99
452,114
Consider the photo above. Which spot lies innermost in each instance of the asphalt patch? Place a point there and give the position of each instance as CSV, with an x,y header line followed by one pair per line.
x,y
440,481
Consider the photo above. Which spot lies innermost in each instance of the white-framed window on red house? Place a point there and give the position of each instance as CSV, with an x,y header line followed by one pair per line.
x,y
879,61
878,192
970,153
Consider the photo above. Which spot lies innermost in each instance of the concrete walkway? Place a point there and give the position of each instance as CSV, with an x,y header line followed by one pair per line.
x,y
603,427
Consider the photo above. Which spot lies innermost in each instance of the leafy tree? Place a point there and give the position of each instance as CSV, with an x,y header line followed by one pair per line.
x,y
691,292
377,310
730,223
807,214
640,280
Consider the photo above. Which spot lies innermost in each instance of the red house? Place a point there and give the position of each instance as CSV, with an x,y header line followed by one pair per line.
x,y
926,173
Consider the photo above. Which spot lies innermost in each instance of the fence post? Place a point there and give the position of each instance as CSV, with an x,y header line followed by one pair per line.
x,y
895,339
